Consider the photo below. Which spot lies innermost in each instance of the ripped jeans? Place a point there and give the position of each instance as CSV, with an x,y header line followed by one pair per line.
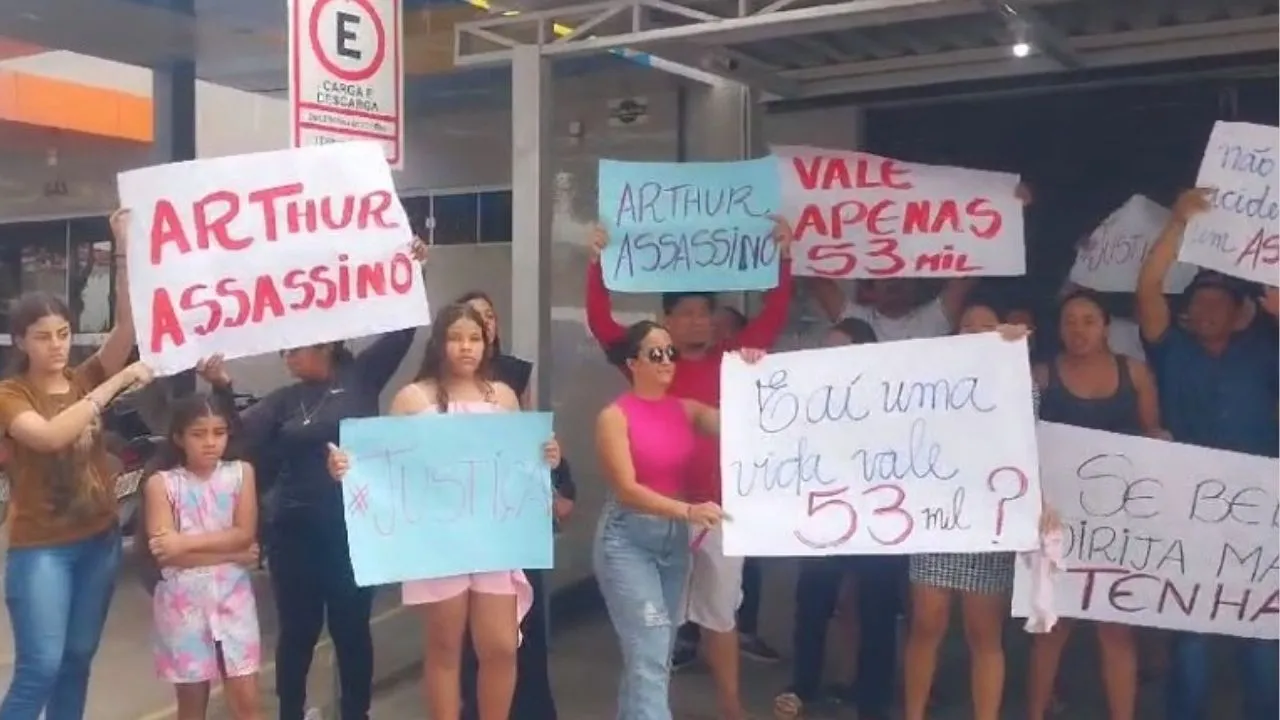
x,y
641,562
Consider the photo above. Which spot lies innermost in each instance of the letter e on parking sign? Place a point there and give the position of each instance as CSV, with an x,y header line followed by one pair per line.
x,y
346,79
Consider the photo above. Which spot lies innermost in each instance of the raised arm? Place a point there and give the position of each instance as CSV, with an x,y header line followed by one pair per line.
x,y
114,353
379,361
614,450
705,418
763,330
29,428
1144,383
254,427
1154,315
600,320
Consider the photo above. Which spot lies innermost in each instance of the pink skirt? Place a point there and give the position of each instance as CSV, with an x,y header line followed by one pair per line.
x,y
507,582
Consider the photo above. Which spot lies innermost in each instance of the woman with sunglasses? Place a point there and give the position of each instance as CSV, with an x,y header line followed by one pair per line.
x,y
645,440
307,554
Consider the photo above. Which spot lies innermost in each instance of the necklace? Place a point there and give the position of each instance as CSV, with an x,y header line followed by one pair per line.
x,y
309,414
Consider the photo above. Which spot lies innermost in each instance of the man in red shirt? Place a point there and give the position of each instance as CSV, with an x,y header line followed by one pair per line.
x,y
715,584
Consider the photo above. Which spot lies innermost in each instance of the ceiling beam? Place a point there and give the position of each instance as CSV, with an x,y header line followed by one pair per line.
x,y
704,28
1035,30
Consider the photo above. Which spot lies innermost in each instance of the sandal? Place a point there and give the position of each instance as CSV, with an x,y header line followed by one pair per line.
x,y
788,706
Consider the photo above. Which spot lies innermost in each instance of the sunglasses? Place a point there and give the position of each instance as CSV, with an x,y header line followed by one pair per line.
x,y
659,355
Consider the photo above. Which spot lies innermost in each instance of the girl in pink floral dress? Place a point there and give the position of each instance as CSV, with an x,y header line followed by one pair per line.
x,y
201,519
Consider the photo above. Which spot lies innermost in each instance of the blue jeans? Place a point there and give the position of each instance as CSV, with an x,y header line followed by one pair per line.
x,y
641,564
57,597
1187,692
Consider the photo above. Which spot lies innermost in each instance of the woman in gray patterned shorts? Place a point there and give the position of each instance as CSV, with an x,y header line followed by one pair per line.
x,y
984,582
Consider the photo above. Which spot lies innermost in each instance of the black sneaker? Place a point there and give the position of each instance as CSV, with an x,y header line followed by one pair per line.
x,y
684,655
756,649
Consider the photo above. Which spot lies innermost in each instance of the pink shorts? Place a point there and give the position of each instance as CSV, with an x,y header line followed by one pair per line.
x,y
508,582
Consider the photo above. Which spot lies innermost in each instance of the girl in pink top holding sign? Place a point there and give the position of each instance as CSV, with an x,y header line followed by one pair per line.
x,y
455,378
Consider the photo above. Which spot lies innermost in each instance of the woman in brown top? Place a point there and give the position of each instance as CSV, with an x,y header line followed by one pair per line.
x,y
64,546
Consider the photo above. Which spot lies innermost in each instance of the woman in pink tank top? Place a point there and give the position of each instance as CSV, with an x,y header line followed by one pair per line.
x,y
646,441
455,379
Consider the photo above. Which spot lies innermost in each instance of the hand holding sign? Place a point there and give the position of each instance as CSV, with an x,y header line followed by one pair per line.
x,y
419,250
213,370
1191,203
338,462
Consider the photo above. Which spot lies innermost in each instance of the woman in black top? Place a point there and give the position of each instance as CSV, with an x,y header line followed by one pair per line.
x,y
533,700
289,431
1087,385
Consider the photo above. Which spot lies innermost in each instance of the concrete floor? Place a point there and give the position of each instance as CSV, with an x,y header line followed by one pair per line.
x,y
584,667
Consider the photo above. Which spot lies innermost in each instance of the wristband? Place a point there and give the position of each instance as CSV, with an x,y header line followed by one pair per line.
x,y
97,406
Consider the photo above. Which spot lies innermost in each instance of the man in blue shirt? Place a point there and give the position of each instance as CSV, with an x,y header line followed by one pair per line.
x,y
1217,377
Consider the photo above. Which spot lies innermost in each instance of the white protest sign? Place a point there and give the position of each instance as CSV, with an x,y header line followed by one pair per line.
x,y
345,74
903,447
857,215
256,253
1238,236
1160,534
1113,255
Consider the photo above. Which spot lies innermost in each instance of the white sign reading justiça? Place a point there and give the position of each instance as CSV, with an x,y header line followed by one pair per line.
x,y
345,74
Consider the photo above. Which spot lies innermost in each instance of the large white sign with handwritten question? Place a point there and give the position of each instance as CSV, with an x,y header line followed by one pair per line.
x,y
1110,259
903,447
1240,235
1161,534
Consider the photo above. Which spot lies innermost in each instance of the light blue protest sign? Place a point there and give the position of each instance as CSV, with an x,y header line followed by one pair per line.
x,y
689,226
429,496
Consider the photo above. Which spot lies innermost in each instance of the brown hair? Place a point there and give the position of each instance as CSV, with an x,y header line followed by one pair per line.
x,y
26,310
495,342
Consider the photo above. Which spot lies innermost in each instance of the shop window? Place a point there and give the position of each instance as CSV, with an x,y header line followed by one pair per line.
x,y
495,217
456,219
33,256
91,275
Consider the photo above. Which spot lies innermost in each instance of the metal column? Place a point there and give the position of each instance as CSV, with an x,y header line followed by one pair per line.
x,y
531,118
531,209
173,108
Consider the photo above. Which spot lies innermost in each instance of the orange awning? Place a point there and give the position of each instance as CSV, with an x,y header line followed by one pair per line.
x,y
75,107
